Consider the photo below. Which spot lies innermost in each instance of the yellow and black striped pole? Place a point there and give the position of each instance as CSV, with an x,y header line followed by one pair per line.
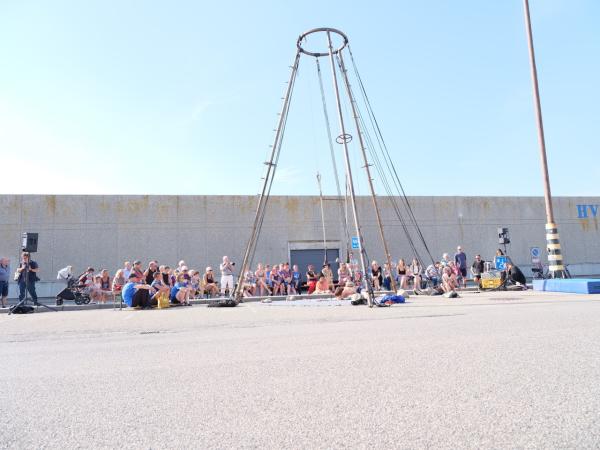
x,y
556,267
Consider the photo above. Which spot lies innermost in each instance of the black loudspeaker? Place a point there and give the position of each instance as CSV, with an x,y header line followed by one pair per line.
x,y
503,236
29,242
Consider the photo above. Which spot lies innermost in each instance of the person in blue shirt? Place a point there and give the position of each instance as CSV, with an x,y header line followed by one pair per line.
x,y
135,293
296,279
180,292
4,279
460,259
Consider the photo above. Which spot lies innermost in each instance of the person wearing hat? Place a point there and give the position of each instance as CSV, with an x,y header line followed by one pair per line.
x,y
135,294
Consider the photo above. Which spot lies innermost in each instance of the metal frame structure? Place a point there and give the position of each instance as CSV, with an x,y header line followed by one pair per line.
x,y
343,139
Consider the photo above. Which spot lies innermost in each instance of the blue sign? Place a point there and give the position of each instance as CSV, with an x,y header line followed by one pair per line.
x,y
500,262
355,243
582,211
536,254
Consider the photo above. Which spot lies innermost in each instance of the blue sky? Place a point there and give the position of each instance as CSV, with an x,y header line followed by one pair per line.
x,y
181,97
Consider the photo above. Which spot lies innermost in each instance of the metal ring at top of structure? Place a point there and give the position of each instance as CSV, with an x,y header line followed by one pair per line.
x,y
321,30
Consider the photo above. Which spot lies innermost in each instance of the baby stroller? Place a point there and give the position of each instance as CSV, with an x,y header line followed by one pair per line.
x,y
74,292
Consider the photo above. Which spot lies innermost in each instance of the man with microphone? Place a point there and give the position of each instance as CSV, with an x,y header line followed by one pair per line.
x,y
27,270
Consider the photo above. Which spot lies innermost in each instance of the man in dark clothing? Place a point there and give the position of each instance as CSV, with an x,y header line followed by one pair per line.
x,y
28,270
515,275
477,268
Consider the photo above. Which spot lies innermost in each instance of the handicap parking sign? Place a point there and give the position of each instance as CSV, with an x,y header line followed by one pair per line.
x,y
354,243
500,262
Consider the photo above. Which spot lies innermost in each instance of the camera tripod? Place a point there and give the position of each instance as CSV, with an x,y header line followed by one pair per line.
x,y
23,302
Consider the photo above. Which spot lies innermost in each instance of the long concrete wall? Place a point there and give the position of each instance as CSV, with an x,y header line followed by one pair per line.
x,y
103,231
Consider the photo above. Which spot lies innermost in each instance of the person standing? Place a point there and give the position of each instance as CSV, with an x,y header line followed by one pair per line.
x,y
460,259
27,270
4,279
477,268
226,268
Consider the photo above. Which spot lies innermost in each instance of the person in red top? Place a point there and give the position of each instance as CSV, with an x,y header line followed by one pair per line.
x,y
311,278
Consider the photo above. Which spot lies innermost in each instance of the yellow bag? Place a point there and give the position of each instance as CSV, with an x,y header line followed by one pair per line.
x,y
163,300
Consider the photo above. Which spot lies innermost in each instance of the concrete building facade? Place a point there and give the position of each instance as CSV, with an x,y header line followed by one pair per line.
x,y
104,231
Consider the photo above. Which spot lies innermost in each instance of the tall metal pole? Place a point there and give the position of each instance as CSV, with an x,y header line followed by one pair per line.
x,y
556,266
368,170
322,217
344,142
262,199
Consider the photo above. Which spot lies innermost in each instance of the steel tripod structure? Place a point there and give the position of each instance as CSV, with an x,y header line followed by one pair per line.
x,y
343,139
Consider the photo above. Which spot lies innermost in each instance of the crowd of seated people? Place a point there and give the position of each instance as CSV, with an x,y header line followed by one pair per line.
x,y
143,286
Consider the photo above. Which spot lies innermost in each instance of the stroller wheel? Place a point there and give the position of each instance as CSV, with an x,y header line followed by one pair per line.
x,y
86,300
78,301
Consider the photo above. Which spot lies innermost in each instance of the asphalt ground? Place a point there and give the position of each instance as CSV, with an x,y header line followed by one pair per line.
x,y
494,370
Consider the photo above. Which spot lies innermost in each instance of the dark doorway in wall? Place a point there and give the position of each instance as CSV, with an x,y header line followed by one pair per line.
x,y
315,257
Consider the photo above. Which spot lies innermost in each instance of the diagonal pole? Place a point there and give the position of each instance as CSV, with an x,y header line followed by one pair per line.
x,y
367,169
271,166
556,267
344,141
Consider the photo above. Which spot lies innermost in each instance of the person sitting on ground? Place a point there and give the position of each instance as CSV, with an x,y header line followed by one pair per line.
x,y
105,287
345,291
433,273
296,284
277,281
477,269
261,280
387,276
4,280
209,284
286,277
127,268
445,260
137,269
415,271
119,281
195,283
181,292
403,273
377,275
249,284
311,279
159,287
449,282
150,271
136,294
328,274
344,274
322,286
167,276
86,279
456,273
515,275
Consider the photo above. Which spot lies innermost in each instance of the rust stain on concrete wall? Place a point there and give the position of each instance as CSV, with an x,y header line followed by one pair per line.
x,y
51,204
